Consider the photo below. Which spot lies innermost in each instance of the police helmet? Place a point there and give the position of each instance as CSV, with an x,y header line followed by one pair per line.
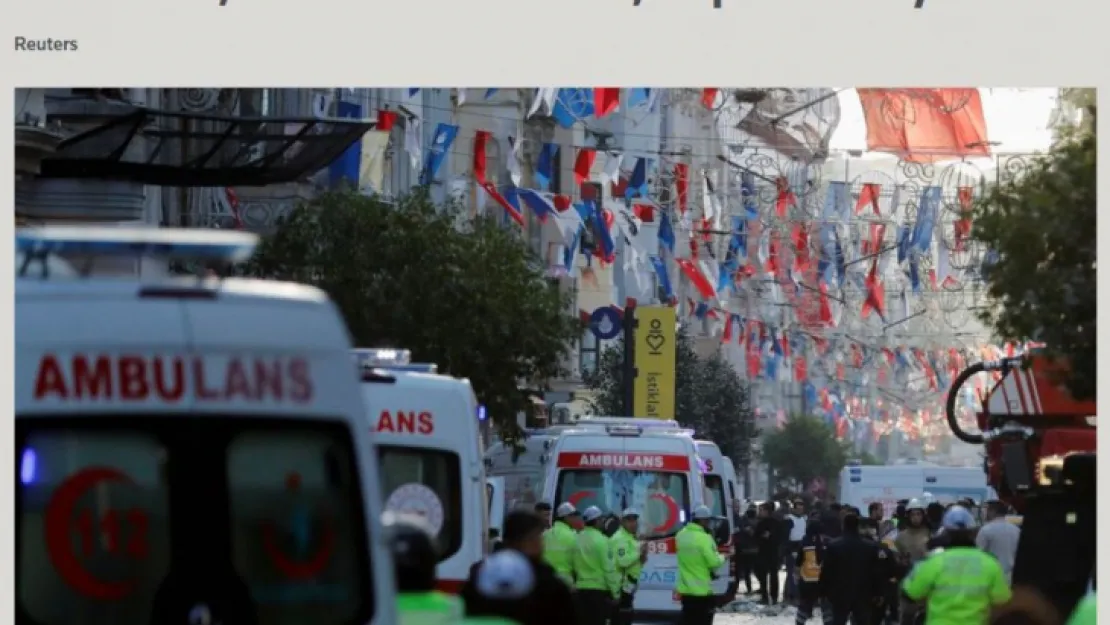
x,y
505,576
915,504
412,544
591,514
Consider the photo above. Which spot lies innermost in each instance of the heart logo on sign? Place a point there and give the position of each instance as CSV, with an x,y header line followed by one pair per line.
x,y
655,341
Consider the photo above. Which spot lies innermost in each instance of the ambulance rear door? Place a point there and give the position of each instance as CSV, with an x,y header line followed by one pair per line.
x,y
190,426
425,429
495,504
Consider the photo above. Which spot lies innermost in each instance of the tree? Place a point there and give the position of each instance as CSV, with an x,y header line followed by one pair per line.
x,y
1040,230
709,397
466,294
804,449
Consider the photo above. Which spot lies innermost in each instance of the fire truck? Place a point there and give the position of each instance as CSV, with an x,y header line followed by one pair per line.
x,y
1039,455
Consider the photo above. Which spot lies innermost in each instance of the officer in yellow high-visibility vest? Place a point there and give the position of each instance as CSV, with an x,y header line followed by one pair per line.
x,y
594,580
629,555
698,561
560,542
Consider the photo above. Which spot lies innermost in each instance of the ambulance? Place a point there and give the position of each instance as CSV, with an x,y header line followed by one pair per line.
x,y
188,449
522,465
651,465
719,499
425,428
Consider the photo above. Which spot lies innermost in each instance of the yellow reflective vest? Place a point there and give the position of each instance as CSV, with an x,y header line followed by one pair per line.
x,y
697,560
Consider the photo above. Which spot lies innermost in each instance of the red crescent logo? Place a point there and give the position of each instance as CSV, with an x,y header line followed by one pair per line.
x,y
292,569
306,569
672,512
576,498
59,547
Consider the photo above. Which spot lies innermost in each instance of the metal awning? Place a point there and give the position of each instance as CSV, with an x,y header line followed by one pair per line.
x,y
178,149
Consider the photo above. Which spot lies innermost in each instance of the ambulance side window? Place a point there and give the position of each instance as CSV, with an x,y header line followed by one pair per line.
x,y
93,536
293,525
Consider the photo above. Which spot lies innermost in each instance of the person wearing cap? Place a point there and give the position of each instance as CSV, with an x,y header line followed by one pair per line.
x,y
629,556
960,584
560,542
412,544
550,601
594,577
698,561
502,586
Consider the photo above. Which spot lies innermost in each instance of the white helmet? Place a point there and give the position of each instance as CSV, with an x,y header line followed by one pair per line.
x,y
915,504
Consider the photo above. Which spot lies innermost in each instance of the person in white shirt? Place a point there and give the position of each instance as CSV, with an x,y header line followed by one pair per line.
x,y
795,522
999,537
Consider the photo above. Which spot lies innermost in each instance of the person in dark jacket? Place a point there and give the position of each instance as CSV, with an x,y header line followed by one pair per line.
x,y
850,575
811,555
890,571
831,521
768,560
550,601
747,549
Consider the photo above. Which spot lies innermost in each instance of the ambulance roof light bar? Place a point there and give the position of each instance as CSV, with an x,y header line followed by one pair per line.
x,y
390,359
624,430
652,424
38,243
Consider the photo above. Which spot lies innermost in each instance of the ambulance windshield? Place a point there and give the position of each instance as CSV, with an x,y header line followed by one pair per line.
x,y
661,497
427,482
131,520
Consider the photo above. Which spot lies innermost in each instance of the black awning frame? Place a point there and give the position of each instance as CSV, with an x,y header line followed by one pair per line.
x,y
225,151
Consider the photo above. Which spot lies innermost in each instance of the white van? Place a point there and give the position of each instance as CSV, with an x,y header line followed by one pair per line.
x,y
718,497
651,465
189,449
862,485
425,429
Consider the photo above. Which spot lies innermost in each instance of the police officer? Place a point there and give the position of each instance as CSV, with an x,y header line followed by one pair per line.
x,y
592,565
560,542
502,585
960,584
698,561
629,556
850,576
412,544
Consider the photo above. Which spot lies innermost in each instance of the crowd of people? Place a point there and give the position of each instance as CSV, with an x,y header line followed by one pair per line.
x,y
927,564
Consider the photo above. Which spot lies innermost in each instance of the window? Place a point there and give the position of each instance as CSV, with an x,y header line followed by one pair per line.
x,y
589,348
662,497
264,516
429,482
715,494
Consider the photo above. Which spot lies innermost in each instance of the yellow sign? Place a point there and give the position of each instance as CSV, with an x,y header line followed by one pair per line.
x,y
655,361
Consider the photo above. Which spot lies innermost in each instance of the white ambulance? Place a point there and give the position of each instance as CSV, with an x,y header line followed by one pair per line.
x,y
189,449
651,465
425,428
719,499
523,465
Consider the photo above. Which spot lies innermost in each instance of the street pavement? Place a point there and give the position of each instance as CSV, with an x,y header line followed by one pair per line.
x,y
745,611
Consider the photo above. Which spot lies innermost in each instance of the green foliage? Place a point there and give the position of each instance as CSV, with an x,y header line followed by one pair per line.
x,y
1043,281
466,294
708,396
804,449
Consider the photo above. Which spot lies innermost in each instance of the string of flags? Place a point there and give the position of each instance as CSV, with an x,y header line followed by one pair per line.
x,y
771,249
